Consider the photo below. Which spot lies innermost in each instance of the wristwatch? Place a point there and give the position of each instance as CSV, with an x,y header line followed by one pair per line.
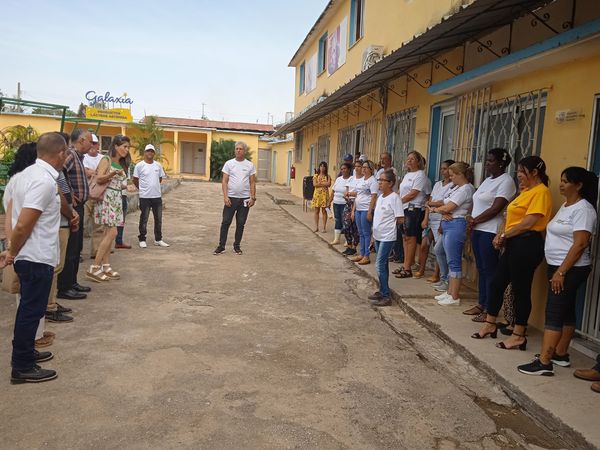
x,y
562,274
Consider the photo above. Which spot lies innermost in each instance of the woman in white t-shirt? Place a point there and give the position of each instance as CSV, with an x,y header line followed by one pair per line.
x,y
388,213
413,196
338,201
366,195
567,250
457,205
489,202
350,229
433,222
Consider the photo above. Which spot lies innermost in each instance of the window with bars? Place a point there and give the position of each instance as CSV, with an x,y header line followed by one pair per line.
x,y
298,141
351,141
400,137
322,150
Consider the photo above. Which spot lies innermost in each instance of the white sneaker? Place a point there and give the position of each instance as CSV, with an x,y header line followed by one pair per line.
x,y
143,244
449,301
161,244
442,296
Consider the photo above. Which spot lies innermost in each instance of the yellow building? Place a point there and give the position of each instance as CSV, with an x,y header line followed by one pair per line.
x,y
188,152
451,79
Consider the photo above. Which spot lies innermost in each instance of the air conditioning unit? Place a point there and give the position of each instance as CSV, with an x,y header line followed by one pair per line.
x,y
371,55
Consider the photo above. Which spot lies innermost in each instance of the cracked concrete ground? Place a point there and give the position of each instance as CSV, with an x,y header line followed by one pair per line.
x,y
276,348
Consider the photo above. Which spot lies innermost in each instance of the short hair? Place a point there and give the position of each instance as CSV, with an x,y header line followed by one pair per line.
x,y
390,175
77,133
419,157
388,154
464,169
50,144
65,136
243,144
371,165
348,166
501,155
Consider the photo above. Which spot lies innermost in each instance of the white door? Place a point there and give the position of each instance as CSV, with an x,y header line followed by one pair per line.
x,y
193,158
264,165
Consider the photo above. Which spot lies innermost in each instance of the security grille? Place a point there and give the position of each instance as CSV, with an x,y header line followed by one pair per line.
x,y
298,140
401,136
350,140
322,150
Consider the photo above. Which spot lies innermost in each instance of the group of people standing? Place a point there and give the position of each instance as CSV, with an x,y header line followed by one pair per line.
x,y
509,226
53,184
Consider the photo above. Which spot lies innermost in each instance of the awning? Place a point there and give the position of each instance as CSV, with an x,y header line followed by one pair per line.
x,y
477,19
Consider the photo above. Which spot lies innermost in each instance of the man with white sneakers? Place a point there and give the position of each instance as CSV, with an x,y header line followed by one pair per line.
x,y
147,176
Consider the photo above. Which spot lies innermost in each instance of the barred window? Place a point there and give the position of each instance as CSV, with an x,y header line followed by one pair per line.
x,y
401,132
298,142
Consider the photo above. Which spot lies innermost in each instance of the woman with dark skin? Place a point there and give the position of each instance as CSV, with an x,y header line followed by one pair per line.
x,y
489,201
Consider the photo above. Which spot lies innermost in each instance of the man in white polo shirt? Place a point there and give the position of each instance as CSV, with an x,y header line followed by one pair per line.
x,y
34,251
239,195
90,162
147,176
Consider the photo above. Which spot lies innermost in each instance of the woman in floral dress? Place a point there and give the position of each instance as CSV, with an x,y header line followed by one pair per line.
x,y
320,200
109,211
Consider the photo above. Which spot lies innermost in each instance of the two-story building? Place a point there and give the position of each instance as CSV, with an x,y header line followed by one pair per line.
x,y
452,78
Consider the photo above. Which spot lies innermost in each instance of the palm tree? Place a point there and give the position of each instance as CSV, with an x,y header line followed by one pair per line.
x,y
149,132
11,138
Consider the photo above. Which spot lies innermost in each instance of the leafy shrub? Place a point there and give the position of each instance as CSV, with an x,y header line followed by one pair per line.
x,y
222,151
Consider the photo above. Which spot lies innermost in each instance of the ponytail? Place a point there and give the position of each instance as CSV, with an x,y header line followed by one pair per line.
x,y
532,163
464,169
588,180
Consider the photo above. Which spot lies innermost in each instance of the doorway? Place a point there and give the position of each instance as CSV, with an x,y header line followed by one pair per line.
x,y
193,158
264,165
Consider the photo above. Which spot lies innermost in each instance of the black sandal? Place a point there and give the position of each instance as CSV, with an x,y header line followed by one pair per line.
x,y
404,273
521,347
493,334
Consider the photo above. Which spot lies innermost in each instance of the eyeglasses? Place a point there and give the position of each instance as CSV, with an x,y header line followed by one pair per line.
x,y
383,179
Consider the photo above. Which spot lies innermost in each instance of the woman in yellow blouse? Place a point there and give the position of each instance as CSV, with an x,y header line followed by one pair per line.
x,y
523,245
320,200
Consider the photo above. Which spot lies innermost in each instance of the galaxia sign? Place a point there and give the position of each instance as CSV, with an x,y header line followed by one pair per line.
x,y
93,98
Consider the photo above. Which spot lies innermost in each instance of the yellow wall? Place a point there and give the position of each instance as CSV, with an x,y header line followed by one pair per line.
x,y
250,139
281,149
386,22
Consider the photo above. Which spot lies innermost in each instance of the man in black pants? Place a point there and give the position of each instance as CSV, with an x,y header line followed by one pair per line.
x,y
81,142
239,195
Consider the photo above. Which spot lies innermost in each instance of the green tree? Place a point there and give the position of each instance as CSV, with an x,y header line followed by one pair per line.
x,y
53,112
222,151
149,132
11,138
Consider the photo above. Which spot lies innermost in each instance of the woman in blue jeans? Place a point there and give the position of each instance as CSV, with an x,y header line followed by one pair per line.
x,y
389,212
337,199
489,202
366,196
457,205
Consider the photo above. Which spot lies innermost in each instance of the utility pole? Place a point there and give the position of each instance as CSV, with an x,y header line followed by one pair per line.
x,y
203,116
19,109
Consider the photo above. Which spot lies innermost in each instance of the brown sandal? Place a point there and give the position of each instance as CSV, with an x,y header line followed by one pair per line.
x,y
404,273
475,310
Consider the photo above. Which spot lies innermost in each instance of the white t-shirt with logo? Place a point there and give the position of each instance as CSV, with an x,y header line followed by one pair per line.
x,y
462,197
149,176
492,188
438,194
91,162
387,210
364,190
339,190
35,188
239,177
414,180
580,216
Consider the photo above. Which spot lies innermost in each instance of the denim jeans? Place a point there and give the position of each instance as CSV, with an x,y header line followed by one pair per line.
x,y
36,280
383,249
486,260
597,366
119,238
338,212
455,233
240,211
145,205
364,231
440,256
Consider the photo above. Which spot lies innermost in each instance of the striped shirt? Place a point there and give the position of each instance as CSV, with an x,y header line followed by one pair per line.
x,y
75,173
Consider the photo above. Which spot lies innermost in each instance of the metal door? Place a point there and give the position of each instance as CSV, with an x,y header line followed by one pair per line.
x,y
264,164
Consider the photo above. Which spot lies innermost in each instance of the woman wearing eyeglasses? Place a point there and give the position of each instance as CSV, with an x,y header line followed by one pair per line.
x,y
366,196
523,244
388,213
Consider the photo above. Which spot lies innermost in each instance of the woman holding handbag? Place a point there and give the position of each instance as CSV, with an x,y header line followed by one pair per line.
x,y
109,210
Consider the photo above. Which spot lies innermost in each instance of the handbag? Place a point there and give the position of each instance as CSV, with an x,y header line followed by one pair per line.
x,y
97,190
10,280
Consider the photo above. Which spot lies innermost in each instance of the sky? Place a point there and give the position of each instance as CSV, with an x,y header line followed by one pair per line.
x,y
170,57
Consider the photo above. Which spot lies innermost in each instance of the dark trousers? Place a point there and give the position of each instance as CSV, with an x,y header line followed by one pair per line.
x,y
561,308
486,260
68,276
119,238
240,211
36,280
145,205
517,266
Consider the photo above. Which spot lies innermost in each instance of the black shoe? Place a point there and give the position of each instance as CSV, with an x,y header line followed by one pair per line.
x,y
42,356
562,361
219,250
58,317
506,331
376,296
80,288
350,252
383,301
238,251
34,375
71,294
62,309
537,368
